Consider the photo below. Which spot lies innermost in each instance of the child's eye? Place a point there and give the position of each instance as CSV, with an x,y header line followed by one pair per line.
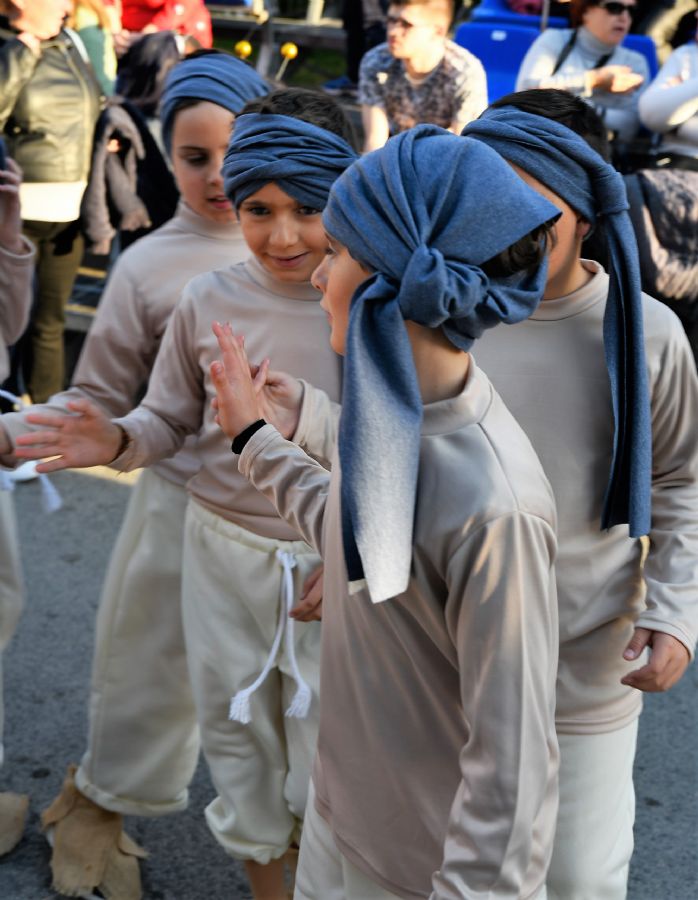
x,y
329,251
198,159
308,211
256,210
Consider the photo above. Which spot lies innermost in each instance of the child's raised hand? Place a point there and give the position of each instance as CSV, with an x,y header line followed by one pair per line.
x,y
667,663
86,438
309,607
237,404
280,399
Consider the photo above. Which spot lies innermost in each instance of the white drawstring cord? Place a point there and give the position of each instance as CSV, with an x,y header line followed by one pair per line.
x,y
300,705
50,497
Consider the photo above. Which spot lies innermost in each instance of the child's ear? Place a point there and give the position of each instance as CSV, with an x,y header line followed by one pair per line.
x,y
583,228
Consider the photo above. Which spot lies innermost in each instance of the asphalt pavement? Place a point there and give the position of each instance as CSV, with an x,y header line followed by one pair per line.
x,y
46,675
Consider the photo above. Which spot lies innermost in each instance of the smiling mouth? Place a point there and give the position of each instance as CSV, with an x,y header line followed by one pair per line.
x,y
289,260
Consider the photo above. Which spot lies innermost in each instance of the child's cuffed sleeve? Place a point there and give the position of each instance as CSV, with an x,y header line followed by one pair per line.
x,y
318,424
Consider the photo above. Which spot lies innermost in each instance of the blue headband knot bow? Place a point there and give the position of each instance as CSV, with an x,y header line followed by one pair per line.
x,y
609,191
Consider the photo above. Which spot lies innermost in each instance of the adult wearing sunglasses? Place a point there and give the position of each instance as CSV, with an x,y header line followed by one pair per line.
x,y
589,61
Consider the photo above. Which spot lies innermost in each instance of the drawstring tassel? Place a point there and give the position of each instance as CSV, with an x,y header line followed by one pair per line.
x,y
300,704
240,704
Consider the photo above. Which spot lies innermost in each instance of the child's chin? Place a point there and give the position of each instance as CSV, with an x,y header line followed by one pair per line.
x,y
298,275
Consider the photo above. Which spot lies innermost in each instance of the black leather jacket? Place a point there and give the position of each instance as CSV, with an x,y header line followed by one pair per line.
x,y
48,107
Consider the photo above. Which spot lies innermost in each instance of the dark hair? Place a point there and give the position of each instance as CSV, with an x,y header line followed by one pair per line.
x,y
308,106
565,108
577,10
144,68
525,255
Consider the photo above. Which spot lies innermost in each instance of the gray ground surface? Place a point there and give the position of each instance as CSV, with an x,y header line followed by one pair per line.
x,y
46,677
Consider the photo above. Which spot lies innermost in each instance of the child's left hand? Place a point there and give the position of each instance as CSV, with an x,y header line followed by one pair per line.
x,y
237,405
309,608
668,661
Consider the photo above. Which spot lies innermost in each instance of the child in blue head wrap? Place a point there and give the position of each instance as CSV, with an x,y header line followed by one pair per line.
x,y
436,766
596,395
243,567
143,736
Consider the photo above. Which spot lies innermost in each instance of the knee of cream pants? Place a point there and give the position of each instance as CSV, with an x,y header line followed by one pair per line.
x,y
323,873
594,832
233,599
11,586
143,742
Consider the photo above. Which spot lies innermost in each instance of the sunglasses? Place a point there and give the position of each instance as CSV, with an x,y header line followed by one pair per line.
x,y
617,9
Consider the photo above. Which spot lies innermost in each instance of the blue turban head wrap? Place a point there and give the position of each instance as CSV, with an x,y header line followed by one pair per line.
x,y
215,77
302,159
423,213
564,162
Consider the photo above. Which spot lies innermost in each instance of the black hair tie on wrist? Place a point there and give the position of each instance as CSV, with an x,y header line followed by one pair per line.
x,y
241,439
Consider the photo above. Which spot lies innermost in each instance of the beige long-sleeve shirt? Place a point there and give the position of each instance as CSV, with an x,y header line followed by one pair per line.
x,y
437,755
280,320
134,309
16,274
670,103
550,371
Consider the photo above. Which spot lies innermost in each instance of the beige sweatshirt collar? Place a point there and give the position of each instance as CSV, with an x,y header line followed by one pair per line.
x,y
593,292
286,289
192,222
468,408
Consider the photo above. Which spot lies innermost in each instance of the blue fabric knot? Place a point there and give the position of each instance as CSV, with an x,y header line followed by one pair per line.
x,y
217,78
450,285
565,163
423,213
302,159
610,194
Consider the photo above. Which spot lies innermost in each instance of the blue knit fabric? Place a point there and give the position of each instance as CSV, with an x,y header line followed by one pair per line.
x,y
423,213
302,159
562,160
216,77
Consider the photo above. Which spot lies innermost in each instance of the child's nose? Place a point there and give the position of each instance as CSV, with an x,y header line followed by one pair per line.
x,y
318,279
284,232
215,173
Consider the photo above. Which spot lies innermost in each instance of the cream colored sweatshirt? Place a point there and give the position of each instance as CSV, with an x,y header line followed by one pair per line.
x,y
16,274
670,103
551,373
280,320
437,755
124,338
